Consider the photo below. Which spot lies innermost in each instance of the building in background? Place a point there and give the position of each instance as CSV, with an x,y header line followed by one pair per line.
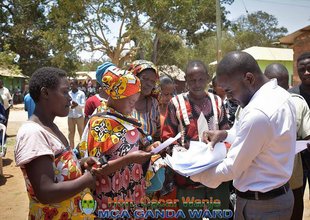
x,y
267,55
15,82
299,41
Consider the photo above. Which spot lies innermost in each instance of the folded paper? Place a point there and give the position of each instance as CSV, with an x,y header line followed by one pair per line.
x,y
198,158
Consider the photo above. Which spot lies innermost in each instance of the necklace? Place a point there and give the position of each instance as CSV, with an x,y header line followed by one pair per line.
x,y
201,102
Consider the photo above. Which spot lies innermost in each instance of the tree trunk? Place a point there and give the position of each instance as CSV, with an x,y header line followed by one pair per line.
x,y
155,49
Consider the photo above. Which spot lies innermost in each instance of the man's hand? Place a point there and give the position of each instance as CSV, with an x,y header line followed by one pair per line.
x,y
73,104
213,137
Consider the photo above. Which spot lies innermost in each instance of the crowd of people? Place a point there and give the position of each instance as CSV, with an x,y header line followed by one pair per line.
x,y
134,109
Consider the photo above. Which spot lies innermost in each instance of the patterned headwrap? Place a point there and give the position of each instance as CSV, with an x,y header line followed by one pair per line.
x,y
117,83
138,66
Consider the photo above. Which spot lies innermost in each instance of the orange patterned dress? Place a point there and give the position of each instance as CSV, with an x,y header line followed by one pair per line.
x,y
34,141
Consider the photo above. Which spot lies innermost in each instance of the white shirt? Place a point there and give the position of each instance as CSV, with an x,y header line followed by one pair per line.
x,y
33,141
263,144
302,116
78,97
6,97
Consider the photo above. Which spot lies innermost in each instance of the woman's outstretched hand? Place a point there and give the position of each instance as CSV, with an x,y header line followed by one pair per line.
x,y
139,156
89,162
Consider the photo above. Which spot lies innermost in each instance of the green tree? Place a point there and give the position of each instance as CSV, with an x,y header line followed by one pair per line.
x,y
190,20
7,60
25,23
257,29
142,27
92,27
38,38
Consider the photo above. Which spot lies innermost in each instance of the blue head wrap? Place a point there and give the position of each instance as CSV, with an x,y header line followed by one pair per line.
x,y
101,70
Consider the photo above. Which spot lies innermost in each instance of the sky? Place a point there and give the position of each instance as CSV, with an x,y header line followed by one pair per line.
x,y
292,14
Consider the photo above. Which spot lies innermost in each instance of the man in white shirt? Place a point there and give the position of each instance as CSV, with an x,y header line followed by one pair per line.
x,y
260,160
76,115
6,99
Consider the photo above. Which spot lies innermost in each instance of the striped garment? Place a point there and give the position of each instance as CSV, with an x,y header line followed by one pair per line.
x,y
150,120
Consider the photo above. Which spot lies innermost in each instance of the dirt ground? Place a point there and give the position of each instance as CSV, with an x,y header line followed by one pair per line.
x,y
13,196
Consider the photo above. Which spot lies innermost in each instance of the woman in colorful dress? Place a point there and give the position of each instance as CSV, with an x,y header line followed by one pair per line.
x,y
183,113
113,134
54,179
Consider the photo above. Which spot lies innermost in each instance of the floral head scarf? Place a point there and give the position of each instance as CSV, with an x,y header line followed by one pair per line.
x,y
117,83
138,66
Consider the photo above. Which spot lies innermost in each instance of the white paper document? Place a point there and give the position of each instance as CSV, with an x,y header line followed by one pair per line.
x,y
198,158
166,143
301,145
202,125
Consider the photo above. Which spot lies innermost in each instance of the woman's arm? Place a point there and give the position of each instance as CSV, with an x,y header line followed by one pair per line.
x,y
117,164
41,175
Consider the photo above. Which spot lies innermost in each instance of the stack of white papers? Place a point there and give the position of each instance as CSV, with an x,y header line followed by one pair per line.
x,y
198,158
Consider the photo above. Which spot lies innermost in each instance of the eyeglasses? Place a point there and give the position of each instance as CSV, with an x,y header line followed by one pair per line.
x,y
303,69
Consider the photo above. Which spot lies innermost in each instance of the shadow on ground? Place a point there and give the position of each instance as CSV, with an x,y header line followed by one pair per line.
x,y
4,178
6,161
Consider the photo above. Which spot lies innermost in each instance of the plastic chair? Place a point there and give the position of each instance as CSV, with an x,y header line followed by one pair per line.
x,y
2,146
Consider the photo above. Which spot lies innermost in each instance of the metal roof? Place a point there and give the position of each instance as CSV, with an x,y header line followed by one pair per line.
x,y
9,73
289,39
82,75
268,53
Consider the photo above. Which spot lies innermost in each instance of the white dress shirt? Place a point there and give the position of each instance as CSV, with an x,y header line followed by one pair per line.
x,y
78,97
263,144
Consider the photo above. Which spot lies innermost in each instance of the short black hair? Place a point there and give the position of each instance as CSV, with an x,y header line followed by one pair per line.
x,y
75,81
47,77
303,56
196,63
275,70
237,62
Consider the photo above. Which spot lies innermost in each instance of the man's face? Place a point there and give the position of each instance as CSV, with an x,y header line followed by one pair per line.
x,y
74,86
303,68
236,89
197,79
